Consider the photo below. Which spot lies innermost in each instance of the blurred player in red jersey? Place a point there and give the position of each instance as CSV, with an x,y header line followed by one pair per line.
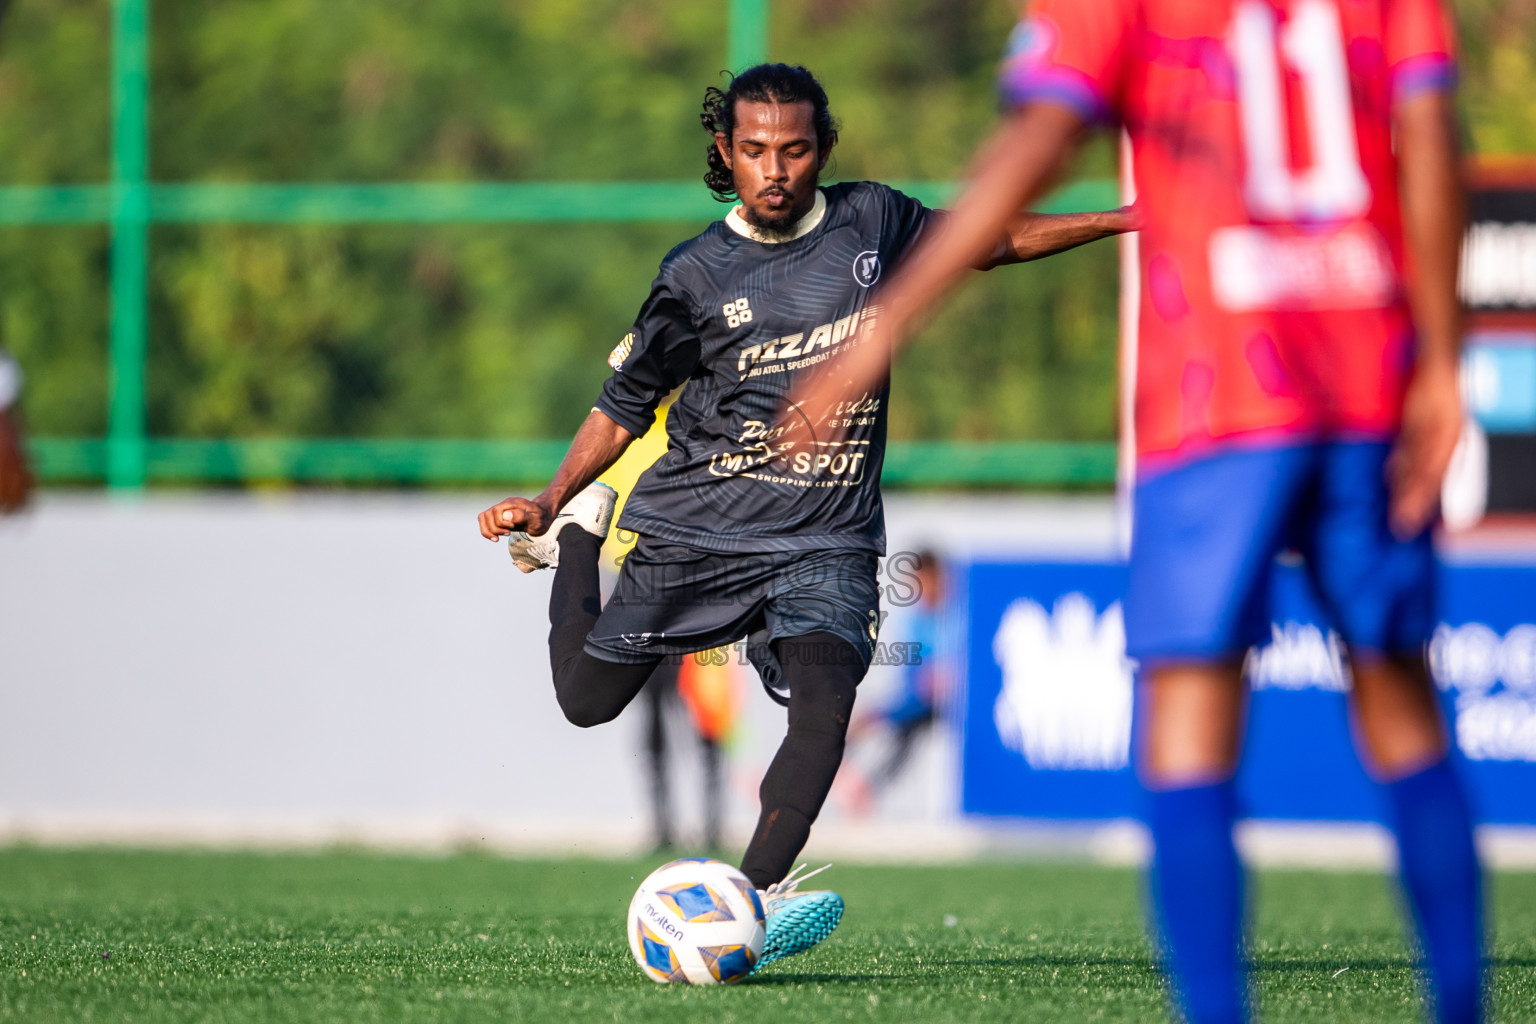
x,y
15,475
1296,387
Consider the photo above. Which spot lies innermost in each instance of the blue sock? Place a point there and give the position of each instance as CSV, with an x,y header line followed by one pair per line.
x,y
1197,892
1443,884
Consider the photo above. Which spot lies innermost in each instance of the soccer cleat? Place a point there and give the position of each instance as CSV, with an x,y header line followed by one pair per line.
x,y
796,921
592,510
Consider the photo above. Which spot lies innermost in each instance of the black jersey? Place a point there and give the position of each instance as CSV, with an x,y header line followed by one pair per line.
x,y
741,321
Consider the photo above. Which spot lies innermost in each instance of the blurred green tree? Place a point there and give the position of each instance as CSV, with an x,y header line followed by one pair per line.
x,y
501,331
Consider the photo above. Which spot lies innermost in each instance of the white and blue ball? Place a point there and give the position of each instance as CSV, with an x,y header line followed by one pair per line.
x,y
696,921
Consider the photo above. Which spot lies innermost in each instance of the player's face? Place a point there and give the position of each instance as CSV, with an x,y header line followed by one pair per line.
x,y
774,161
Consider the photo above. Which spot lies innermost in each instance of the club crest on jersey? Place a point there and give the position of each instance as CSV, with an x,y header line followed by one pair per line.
x,y
866,268
621,351
737,313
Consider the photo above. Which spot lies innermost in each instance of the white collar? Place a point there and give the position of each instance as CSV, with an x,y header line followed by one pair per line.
x,y
737,223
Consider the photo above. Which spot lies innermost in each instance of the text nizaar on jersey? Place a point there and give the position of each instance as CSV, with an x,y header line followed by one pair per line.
x,y
793,351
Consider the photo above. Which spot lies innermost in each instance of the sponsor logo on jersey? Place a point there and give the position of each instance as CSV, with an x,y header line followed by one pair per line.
x,y
621,351
738,313
829,462
824,464
743,461
866,267
860,412
640,639
1262,268
796,350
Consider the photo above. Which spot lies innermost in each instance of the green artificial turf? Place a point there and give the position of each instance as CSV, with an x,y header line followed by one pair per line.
x,y
109,935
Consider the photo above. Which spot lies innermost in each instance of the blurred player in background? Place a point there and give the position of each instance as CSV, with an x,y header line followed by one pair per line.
x,y
15,474
741,531
694,685
923,683
663,697
1297,172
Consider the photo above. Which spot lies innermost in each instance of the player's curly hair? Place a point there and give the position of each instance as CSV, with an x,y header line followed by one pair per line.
x,y
762,83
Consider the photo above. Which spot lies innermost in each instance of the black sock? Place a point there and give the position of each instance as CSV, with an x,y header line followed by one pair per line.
x,y
591,691
823,672
575,601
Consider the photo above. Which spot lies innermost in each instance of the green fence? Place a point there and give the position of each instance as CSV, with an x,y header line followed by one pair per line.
x,y
130,204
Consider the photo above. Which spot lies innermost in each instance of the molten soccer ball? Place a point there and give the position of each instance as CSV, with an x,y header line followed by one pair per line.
x,y
697,921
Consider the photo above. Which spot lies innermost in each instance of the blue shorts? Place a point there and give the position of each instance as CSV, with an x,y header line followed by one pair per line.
x,y
1207,532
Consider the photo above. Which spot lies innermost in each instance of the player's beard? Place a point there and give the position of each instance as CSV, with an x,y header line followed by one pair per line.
x,y
777,226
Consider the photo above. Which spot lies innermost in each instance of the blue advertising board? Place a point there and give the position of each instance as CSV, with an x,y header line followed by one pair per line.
x,y
1049,714
1499,368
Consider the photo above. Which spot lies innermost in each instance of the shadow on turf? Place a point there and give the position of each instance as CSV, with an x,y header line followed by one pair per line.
x,y
1294,966
1264,966
816,979
1050,961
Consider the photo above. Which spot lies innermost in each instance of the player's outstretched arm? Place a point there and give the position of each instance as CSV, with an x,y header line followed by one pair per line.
x,y
1033,236
1010,171
1433,206
598,445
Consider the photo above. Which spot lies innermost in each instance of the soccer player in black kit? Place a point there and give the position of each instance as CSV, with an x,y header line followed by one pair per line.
x,y
744,532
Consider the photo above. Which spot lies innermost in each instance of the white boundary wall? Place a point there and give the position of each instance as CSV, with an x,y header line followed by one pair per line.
x,y
299,669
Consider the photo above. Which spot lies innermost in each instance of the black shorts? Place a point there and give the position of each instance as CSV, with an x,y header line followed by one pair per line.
x,y
676,599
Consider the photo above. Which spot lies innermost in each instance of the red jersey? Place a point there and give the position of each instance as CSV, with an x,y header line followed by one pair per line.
x,y
1272,251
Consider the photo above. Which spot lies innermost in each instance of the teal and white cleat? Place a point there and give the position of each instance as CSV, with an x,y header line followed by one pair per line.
x,y
591,509
796,921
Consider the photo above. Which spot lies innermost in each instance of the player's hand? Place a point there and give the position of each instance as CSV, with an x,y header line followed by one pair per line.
x,y
1432,421
530,515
